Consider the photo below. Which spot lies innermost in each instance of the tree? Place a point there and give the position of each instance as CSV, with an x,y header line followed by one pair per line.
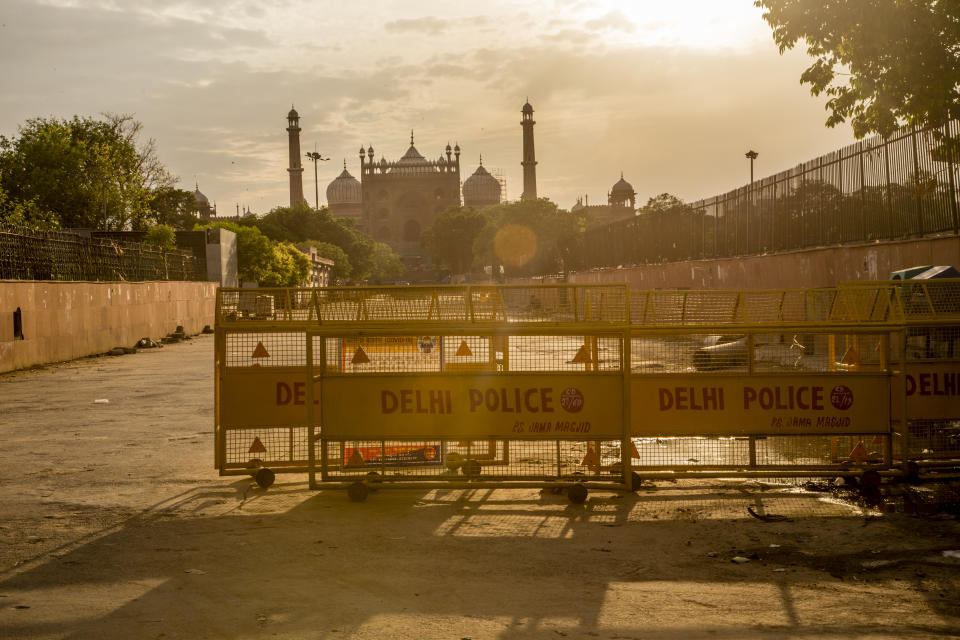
x,y
449,240
174,207
162,236
89,173
527,237
387,266
287,267
302,222
883,63
17,213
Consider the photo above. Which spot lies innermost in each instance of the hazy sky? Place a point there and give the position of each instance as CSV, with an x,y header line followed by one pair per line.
x,y
672,93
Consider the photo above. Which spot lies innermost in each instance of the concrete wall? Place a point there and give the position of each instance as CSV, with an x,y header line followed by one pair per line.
x,y
809,268
66,320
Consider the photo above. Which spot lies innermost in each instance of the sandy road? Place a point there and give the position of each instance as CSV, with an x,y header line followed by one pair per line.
x,y
114,524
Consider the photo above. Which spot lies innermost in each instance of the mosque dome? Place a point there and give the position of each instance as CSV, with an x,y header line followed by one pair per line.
x,y
527,108
201,199
345,189
622,188
481,189
293,114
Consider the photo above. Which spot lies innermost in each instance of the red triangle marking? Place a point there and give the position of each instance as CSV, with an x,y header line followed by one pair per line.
x,y
257,447
359,356
260,351
464,349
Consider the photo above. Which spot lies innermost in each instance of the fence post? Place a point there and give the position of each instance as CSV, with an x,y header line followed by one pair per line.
x,y
863,197
917,199
886,164
953,189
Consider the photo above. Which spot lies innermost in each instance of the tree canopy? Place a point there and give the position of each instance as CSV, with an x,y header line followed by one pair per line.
x,y
366,260
528,237
449,240
882,63
89,173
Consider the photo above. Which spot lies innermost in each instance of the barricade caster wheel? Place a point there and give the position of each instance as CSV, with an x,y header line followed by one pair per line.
x,y
577,494
471,468
358,492
264,477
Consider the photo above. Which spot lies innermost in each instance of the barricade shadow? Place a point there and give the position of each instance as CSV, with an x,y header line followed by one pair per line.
x,y
232,560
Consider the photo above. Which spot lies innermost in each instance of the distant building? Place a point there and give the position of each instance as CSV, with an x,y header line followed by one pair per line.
x,y
481,189
621,203
204,210
345,197
402,198
321,268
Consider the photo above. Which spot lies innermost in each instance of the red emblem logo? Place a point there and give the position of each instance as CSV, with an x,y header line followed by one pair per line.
x,y
571,400
841,397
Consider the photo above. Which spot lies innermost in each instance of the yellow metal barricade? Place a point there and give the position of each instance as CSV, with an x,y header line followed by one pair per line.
x,y
419,385
582,385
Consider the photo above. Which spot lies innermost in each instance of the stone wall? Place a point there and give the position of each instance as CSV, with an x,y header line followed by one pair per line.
x,y
804,269
66,320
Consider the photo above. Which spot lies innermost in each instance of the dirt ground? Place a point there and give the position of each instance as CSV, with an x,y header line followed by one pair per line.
x,y
114,524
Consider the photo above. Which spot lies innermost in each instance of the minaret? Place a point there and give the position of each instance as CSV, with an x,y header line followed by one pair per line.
x,y
529,157
296,169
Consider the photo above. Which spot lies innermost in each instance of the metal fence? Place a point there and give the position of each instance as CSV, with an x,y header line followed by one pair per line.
x,y
877,189
56,255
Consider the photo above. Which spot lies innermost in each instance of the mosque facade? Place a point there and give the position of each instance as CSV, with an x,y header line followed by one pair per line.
x,y
621,203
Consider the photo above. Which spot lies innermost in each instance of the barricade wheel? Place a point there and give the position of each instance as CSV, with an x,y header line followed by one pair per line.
x,y
577,494
265,477
358,492
471,468
870,479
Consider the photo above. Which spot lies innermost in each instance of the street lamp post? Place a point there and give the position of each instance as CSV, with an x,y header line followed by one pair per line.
x,y
313,155
750,154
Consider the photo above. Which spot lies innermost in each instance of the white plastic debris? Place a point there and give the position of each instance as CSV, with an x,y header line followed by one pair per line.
x,y
740,559
101,401
952,553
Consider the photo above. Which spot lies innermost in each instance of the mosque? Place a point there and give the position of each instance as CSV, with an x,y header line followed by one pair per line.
x,y
394,201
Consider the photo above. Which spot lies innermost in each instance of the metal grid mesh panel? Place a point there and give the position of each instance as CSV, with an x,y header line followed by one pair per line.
x,y
767,451
383,354
933,343
458,353
473,460
564,353
933,438
929,299
265,349
562,303
269,446
771,352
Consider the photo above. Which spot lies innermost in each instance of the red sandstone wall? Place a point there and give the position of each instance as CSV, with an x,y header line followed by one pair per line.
x,y
809,268
66,320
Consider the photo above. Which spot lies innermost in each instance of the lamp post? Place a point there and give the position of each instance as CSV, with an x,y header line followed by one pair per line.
x,y
750,154
313,155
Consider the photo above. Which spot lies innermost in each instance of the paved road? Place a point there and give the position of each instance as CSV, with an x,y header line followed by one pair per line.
x,y
114,524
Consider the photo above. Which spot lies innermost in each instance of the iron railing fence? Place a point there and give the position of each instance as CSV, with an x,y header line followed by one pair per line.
x,y
58,255
907,185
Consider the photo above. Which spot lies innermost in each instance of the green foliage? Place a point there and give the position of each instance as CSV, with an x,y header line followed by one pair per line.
x,y
174,207
882,63
528,237
341,262
287,267
302,222
18,213
387,266
255,254
665,203
449,240
88,173
161,235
